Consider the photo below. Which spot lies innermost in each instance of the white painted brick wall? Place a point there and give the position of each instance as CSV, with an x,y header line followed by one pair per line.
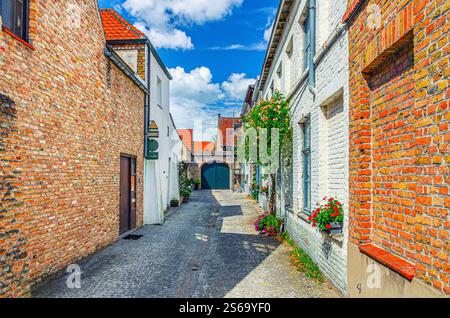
x,y
328,112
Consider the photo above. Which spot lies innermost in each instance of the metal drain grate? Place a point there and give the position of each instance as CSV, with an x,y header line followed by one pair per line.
x,y
132,237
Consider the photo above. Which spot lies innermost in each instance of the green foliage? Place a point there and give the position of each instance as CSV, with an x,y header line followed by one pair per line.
x,y
255,194
174,202
265,190
196,181
185,193
183,180
301,260
305,264
269,114
330,212
269,224
255,188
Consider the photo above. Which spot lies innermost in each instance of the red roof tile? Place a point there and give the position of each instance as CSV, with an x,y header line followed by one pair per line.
x,y
186,136
117,28
204,146
226,130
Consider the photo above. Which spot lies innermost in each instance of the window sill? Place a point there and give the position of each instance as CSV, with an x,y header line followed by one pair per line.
x,y
393,262
304,217
7,31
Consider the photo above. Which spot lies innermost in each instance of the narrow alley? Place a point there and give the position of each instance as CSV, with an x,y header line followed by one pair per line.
x,y
206,248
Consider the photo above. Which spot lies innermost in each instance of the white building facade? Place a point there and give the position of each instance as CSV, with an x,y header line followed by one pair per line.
x,y
161,175
320,121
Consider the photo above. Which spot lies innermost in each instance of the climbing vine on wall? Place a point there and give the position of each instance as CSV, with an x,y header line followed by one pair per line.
x,y
183,179
270,114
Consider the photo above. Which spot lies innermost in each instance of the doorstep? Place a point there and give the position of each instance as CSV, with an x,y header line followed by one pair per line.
x,y
393,262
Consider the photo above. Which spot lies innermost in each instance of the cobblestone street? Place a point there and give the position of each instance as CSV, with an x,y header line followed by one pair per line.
x,y
206,248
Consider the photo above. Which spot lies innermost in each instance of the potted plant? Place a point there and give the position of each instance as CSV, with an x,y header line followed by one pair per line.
x,y
185,194
329,216
174,203
196,183
268,224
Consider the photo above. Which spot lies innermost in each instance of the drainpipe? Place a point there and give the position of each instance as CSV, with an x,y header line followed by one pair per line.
x,y
312,38
147,103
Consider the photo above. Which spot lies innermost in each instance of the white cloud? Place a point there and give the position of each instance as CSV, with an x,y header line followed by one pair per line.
x,y
240,47
160,18
201,11
236,86
194,97
268,32
195,85
169,38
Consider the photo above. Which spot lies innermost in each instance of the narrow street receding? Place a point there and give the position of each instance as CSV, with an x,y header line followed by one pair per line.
x,y
206,248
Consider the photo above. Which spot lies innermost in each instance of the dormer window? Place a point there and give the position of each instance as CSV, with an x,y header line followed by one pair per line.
x,y
15,17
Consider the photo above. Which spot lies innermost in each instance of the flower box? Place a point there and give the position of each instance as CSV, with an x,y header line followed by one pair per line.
x,y
336,228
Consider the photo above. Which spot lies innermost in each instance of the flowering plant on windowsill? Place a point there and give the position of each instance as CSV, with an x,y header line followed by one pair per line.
x,y
329,216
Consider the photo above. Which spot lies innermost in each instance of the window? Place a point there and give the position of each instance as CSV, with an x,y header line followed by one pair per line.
x,y
159,92
280,77
306,153
15,17
280,71
287,68
306,42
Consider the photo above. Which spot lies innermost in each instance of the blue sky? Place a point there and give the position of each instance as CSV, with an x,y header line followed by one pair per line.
x,y
213,48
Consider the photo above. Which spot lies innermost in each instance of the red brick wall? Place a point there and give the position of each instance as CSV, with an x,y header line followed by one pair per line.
x,y
69,115
399,135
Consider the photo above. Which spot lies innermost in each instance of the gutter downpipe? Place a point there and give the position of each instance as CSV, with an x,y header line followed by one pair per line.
x,y
147,103
312,37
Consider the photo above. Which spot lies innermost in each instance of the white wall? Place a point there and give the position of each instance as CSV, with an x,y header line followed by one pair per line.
x,y
328,112
161,176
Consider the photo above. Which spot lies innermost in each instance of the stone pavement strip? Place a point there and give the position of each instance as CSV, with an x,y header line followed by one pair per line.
x,y
206,248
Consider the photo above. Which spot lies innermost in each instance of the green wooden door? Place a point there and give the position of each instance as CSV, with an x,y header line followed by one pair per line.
x,y
216,176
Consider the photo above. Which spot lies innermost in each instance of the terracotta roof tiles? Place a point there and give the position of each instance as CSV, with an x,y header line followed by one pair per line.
x,y
117,28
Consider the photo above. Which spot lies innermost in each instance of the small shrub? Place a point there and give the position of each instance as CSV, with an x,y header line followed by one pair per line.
x,y
174,203
196,181
268,224
185,193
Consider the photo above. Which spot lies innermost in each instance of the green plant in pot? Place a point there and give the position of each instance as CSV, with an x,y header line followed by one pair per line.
x,y
185,194
174,203
328,217
196,182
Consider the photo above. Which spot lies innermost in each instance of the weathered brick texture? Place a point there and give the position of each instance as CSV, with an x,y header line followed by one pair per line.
x,y
399,135
67,114
141,60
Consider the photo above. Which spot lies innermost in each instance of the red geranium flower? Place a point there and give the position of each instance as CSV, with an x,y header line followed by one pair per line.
x,y
328,226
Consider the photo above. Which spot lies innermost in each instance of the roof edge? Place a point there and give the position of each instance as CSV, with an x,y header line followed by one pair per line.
x,y
117,60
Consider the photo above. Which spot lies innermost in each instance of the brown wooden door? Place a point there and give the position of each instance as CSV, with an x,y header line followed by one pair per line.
x,y
127,194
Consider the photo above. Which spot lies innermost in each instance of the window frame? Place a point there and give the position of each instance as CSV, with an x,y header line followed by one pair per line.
x,y
159,100
23,33
306,156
